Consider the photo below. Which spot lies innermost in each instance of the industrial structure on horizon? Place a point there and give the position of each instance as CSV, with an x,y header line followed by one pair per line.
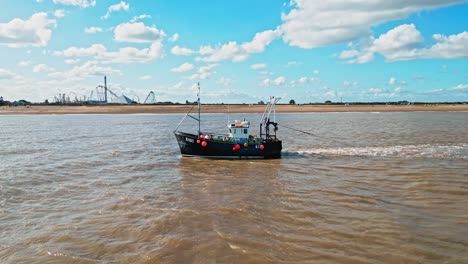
x,y
101,95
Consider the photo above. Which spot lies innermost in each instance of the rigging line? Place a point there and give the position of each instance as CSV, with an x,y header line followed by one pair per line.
x,y
187,114
310,134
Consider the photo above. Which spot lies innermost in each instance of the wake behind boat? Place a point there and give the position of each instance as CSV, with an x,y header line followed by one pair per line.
x,y
238,143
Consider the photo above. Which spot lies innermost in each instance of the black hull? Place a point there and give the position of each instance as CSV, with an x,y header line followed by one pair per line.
x,y
218,149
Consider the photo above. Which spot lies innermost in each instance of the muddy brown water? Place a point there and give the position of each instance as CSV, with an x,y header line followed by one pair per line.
x,y
374,188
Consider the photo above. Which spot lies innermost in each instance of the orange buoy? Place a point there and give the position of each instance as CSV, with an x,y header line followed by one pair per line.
x,y
246,145
262,147
203,144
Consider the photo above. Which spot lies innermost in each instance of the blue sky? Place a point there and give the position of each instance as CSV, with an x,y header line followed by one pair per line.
x,y
240,51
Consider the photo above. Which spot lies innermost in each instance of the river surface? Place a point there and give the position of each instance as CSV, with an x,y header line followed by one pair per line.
x,y
372,188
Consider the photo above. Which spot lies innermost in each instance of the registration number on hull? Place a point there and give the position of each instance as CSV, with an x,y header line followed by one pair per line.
x,y
190,140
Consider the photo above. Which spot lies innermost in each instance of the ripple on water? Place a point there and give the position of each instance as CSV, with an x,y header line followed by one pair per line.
x,y
107,189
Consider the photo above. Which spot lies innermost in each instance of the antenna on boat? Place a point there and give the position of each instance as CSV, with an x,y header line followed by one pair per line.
x,y
199,110
229,115
265,121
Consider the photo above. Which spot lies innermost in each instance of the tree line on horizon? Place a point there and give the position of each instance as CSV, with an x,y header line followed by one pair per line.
x,y
23,102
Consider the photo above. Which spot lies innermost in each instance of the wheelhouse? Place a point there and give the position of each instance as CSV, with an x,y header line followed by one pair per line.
x,y
239,130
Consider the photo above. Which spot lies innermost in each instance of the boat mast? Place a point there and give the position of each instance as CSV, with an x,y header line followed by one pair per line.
x,y
199,110
191,116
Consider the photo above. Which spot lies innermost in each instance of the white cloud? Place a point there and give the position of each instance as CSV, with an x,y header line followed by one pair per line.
x,y
123,55
349,84
459,88
330,93
84,71
385,93
117,7
278,81
224,81
79,3
377,90
451,47
304,80
316,72
72,61
93,30
7,75
258,66
93,50
392,81
205,50
180,92
59,13
405,37
137,33
42,68
265,82
140,17
260,41
405,42
204,72
174,37
230,51
134,55
349,54
238,52
32,32
178,85
308,80
312,24
24,63
181,51
293,63
184,67
145,77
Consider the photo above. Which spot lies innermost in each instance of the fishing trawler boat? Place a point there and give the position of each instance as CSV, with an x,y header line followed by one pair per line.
x,y
238,142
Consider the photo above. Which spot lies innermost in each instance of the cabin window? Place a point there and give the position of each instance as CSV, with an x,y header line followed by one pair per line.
x,y
230,131
245,131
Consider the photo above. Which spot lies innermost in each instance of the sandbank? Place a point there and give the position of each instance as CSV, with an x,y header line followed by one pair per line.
x,y
167,109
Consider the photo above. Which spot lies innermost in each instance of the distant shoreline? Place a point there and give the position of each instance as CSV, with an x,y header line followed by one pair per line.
x,y
168,109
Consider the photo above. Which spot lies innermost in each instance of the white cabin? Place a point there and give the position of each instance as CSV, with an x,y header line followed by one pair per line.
x,y
239,129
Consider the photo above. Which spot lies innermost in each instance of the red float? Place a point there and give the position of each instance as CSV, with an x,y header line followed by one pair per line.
x,y
203,144
198,141
262,147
